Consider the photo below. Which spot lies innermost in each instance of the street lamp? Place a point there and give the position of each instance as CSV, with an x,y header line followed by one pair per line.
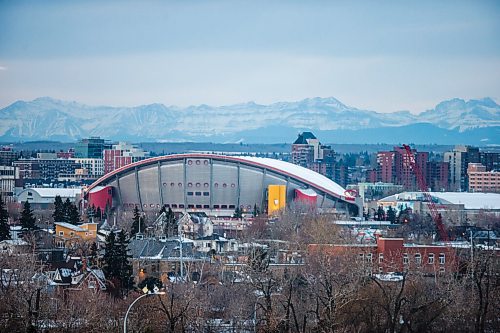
x,y
148,293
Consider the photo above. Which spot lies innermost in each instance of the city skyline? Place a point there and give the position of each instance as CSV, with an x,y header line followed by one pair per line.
x,y
384,57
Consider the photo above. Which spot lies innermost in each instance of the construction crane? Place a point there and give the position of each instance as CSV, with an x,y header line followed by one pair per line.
x,y
422,185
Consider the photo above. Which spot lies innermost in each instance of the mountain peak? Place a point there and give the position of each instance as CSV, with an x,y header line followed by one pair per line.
x,y
36,119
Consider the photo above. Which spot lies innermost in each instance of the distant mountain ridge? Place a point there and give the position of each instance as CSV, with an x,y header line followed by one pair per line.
x,y
471,122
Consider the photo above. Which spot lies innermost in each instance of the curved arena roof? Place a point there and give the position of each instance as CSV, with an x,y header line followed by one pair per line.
x,y
309,177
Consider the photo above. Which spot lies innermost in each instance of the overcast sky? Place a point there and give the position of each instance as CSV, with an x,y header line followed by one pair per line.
x,y
377,55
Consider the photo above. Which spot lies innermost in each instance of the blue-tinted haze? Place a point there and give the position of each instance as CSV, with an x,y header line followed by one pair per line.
x,y
380,55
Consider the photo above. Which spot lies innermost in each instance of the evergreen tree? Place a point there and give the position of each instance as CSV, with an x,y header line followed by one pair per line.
x,y
391,215
99,213
58,214
380,213
137,223
255,212
171,224
4,219
73,215
110,259
238,213
27,218
66,210
125,271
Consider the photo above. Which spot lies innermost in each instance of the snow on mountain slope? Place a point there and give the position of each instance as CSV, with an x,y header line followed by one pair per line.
x,y
47,118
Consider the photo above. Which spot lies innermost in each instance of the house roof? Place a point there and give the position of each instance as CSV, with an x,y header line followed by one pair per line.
x,y
70,226
53,192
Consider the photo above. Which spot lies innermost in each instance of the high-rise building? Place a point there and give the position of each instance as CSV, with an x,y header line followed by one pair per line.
x,y
122,154
308,152
8,177
91,148
385,166
7,156
438,176
395,167
458,160
491,160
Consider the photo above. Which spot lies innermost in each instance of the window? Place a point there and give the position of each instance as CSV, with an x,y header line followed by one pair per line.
x,y
91,284
369,258
206,194
61,233
361,256
442,259
190,206
380,258
232,207
190,193
174,205
206,206
198,194
223,206
418,259
405,259
431,259
216,206
71,233
181,205
198,206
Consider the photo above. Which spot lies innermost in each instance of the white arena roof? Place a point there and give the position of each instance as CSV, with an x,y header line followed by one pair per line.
x,y
469,200
301,172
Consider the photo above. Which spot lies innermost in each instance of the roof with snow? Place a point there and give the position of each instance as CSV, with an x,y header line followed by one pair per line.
x,y
306,176
53,192
469,200
70,226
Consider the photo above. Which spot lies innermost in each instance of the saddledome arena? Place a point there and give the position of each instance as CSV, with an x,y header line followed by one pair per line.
x,y
216,184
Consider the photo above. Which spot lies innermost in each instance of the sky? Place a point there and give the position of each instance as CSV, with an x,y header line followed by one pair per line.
x,y
377,55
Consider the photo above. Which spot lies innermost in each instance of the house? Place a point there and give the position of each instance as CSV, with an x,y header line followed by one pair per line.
x,y
195,224
66,233
74,275
162,258
215,243
12,247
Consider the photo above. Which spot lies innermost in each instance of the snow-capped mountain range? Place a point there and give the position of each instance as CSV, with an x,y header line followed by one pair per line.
x,y
50,119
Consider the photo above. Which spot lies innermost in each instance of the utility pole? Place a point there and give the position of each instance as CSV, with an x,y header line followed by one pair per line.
x,y
180,253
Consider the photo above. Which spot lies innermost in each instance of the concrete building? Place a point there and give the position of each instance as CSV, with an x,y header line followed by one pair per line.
x,y
309,153
481,180
94,166
121,155
216,184
9,175
458,160
8,156
371,191
43,198
46,169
